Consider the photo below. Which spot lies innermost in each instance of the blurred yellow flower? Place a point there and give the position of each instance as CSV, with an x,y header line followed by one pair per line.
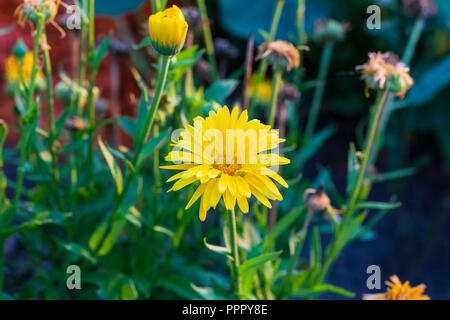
x,y
399,291
230,157
19,71
263,91
168,31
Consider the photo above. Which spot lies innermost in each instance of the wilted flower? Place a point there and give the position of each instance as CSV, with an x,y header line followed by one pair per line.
x,y
386,68
281,49
420,8
230,157
18,71
399,291
329,30
316,200
168,31
74,123
31,10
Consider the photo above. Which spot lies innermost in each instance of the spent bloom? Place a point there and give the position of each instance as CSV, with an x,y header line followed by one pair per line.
x,y
168,31
32,10
400,291
230,157
281,50
386,69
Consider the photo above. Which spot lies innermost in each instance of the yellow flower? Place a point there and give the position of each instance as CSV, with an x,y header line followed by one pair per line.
x,y
230,157
19,71
386,68
263,91
168,31
31,10
399,291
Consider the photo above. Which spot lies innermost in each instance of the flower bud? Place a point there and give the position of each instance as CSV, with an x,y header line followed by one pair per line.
x,y
20,49
420,8
329,30
168,31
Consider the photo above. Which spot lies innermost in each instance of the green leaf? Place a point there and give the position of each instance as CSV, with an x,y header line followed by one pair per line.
x,y
220,90
40,219
313,145
316,249
110,238
101,52
256,262
322,288
79,251
129,125
141,119
393,175
283,225
436,79
113,167
144,43
152,145
207,293
217,249
378,205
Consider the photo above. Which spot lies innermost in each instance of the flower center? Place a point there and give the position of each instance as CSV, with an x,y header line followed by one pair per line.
x,y
229,169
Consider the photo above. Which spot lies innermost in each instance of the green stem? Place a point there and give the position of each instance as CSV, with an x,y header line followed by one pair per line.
x,y
165,63
2,262
318,92
25,137
51,111
261,74
83,58
92,76
234,249
413,40
208,40
373,133
276,84
301,38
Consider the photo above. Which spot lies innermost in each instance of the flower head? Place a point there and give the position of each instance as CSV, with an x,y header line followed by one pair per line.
x,y
420,8
168,31
329,30
32,10
230,157
18,71
386,68
281,50
400,291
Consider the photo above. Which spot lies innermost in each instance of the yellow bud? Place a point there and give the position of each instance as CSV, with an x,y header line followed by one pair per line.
x,y
168,31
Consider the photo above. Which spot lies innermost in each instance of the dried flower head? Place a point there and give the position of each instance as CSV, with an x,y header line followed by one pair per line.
x,y
230,157
330,30
399,291
316,200
74,124
168,31
32,10
281,50
384,69
420,8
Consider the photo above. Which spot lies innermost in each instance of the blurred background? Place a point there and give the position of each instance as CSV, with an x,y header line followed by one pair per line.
x,y
412,241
